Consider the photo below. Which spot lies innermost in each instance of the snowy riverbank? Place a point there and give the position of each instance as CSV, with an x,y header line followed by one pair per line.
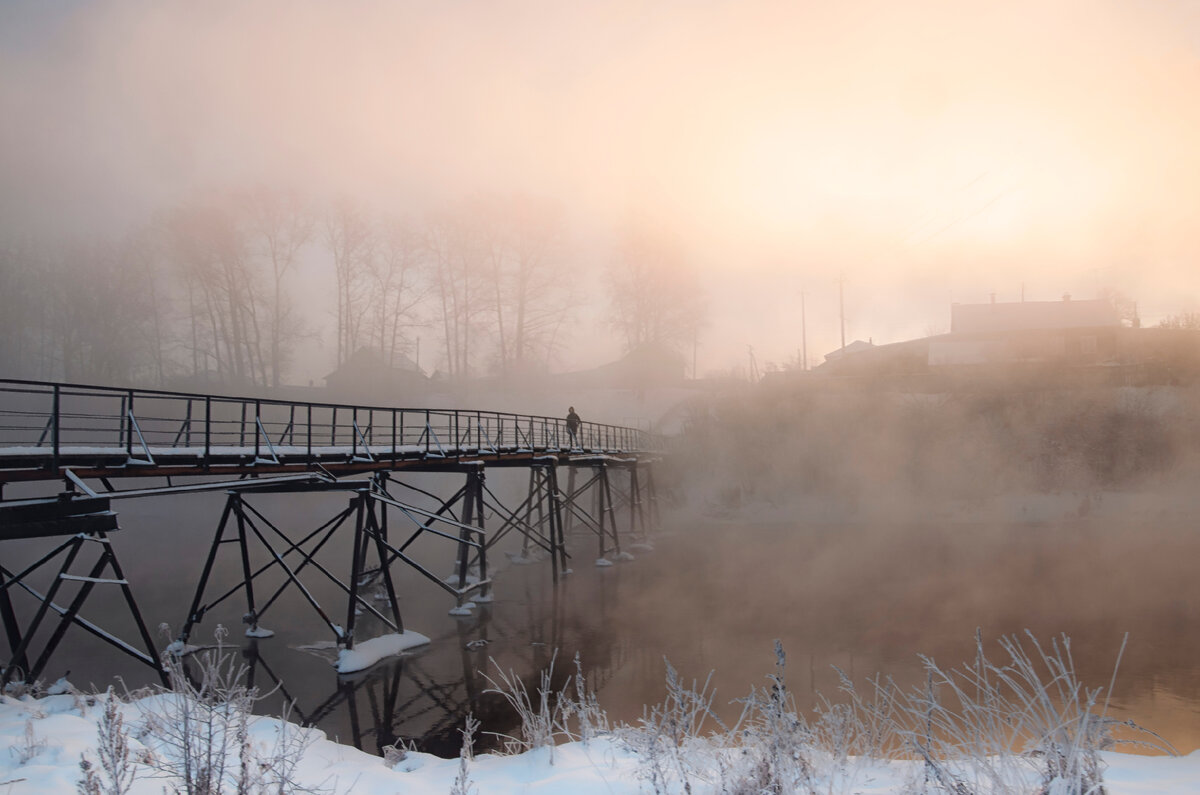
x,y
44,740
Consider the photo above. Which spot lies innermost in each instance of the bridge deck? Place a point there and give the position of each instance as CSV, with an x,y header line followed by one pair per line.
x,y
47,428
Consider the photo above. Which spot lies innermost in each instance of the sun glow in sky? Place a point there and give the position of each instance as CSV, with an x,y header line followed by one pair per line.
x,y
926,151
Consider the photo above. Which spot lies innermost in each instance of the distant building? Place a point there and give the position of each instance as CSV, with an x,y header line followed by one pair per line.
x,y
650,365
1067,331
858,346
1040,339
368,376
1031,315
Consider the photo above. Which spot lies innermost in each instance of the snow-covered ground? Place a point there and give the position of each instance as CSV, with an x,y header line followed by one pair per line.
x,y
44,740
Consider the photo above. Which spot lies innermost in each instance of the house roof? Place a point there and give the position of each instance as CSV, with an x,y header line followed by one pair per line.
x,y
853,347
1026,315
371,360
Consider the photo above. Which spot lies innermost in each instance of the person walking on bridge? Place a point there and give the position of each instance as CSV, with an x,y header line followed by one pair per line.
x,y
573,423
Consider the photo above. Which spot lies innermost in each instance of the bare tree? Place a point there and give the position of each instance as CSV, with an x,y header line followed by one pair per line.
x,y
457,259
351,240
102,313
396,289
23,319
210,251
531,293
654,291
1186,321
280,224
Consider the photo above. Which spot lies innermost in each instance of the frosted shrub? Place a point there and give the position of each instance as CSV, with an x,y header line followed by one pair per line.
x,y
462,783
585,708
543,716
775,740
115,772
200,731
1022,725
1027,724
668,737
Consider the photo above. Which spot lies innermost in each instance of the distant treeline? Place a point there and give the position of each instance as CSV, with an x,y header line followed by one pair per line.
x,y
208,291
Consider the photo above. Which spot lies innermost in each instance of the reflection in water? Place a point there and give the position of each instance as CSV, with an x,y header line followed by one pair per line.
x,y
714,597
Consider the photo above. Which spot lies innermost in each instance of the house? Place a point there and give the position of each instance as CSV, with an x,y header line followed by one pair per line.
x,y
858,346
649,365
1001,340
369,377
1065,332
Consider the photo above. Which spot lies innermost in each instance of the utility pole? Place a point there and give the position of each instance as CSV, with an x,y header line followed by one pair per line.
x,y
842,308
803,336
695,346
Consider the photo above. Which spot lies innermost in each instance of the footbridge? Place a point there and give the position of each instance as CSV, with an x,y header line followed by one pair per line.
x,y
70,452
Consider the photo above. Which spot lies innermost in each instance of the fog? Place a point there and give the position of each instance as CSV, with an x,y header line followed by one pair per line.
x,y
923,152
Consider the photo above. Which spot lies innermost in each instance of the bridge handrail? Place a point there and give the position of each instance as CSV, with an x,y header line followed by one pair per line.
x,y
269,424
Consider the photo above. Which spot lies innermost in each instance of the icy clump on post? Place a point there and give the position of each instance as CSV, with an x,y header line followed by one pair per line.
x,y
462,610
369,652
259,632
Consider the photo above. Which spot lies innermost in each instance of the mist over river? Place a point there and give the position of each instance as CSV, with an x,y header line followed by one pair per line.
x,y
712,595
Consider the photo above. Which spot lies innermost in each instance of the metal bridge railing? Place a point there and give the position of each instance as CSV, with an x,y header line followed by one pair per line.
x,y
47,422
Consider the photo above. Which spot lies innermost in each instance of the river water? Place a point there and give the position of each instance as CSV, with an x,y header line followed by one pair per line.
x,y
712,596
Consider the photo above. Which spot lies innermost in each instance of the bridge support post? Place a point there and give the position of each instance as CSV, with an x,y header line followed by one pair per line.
x,y
106,570
637,517
473,516
601,520
248,520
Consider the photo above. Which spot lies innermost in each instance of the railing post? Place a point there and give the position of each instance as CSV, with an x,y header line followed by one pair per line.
x,y
121,422
354,435
333,428
207,429
428,432
55,428
257,425
308,437
129,429
187,434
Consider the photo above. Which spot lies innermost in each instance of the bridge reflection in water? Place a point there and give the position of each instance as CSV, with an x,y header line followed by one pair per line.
x,y
420,699
363,459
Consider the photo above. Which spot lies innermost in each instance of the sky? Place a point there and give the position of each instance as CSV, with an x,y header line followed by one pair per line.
x,y
916,153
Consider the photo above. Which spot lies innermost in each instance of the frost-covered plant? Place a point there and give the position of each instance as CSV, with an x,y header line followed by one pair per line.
x,y
462,782
117,771
774,737
395,754
1026,723
873,717
201,730
30,745
543,716
668,734
590,718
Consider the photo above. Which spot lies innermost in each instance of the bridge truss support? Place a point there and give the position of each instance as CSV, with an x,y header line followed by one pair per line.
x,y
73,570
640,498
250,525
373,552
600,520
539,519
